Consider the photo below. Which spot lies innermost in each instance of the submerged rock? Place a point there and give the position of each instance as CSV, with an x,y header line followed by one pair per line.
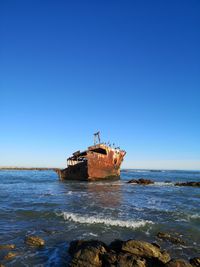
x,y
178,263
35,241
141,181
195,184
7,246
172,239
195,262
10,255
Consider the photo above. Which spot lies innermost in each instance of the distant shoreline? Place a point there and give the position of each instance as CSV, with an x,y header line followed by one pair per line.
x,y
28,169
123,169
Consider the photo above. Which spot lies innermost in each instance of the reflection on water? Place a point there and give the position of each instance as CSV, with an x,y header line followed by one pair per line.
x,y
105,194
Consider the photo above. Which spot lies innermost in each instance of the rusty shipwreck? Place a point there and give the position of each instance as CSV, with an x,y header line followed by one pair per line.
x,y
98,162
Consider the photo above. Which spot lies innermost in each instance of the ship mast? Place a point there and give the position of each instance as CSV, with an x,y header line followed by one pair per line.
x,y
97,138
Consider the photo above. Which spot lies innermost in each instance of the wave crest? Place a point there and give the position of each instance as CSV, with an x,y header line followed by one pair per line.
x,y
106,221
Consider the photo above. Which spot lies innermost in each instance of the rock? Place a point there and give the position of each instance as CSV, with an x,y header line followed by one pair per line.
x,y
141,181
112,259
129,260
178,263
145,250
109,259
7,246
156,245
76,245
116,245
10,255
195,184
168,237
87,253
195,262
34,241
1,265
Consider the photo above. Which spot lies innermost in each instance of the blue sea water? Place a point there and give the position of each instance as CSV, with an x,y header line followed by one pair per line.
x,y
37,203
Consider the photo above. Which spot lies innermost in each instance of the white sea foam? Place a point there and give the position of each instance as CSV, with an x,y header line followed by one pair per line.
x,y
194,216
106,221
189,217
140,171
163,184
90,234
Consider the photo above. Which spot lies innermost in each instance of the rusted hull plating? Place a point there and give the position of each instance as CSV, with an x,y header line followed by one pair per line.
x,y
97,166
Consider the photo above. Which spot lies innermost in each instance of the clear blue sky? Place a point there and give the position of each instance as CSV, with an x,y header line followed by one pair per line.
x,y
130,69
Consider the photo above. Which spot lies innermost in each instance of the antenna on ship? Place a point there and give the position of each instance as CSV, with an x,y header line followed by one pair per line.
x,y
97,138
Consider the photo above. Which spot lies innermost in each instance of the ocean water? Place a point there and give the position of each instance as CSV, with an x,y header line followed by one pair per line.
x,y
37,203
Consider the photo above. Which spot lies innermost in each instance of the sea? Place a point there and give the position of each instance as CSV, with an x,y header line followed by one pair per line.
x,y
38,203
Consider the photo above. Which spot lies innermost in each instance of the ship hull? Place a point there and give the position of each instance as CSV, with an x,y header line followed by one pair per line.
x,y
99,162
83,173
96,167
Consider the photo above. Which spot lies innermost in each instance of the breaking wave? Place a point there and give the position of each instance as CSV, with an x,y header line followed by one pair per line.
x,y
164,183
106,221
194,216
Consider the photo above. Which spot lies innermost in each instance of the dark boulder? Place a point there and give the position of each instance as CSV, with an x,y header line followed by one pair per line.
x,y
195,262
113,259
87,253
145,250
130,260
141,181
116,245
109,259
178,263
81,244
195,184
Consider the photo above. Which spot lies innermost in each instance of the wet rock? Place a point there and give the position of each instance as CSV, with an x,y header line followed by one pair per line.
x,y
129,260
141,181
87,253
1,265
195,262
168,237
156,245
195,184
34,241
178,263
112,259
10,256
109,259
145,250
116,245
81,244
7,246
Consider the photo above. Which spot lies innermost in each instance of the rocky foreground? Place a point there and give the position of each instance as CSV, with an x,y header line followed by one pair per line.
x,y
94,253
131,253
